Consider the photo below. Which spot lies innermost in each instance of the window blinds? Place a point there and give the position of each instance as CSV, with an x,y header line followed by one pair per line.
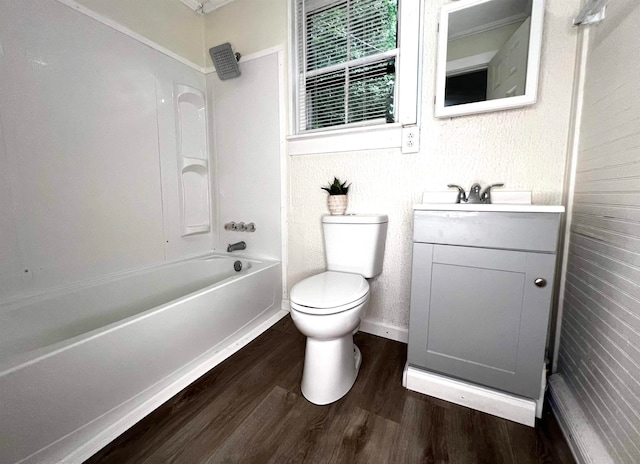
x,y
346,62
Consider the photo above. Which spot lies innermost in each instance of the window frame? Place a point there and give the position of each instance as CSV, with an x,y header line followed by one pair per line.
x,y
366,135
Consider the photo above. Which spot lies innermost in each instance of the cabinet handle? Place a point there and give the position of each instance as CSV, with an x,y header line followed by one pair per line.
x,y
540,282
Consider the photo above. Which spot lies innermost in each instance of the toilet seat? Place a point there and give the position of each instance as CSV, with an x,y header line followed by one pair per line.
x,y
329,292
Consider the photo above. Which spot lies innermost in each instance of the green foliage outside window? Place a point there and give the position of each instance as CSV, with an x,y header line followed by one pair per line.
x,y
350,30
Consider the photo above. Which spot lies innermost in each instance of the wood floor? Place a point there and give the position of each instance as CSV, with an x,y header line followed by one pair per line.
x,y
249,409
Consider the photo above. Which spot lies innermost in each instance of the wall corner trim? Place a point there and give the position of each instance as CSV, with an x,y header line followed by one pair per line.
x,y
585,444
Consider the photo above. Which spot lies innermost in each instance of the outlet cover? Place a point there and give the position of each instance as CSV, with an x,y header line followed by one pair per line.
x,y
410,139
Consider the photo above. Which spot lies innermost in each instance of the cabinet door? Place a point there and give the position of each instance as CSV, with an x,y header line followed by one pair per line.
x,y
479,315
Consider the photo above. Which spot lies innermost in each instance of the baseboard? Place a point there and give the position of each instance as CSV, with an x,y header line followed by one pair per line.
x,y
585,444
514,408
381,329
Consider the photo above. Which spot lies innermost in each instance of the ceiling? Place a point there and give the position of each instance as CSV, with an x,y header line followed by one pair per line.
x,y
487,15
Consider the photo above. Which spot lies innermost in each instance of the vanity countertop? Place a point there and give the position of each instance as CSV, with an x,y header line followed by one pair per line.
x,y
495,207
503,201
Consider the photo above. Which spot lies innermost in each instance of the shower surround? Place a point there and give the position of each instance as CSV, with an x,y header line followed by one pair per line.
x,y
94,176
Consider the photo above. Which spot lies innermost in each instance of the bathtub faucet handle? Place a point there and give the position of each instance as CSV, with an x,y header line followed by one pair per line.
x,y
236,246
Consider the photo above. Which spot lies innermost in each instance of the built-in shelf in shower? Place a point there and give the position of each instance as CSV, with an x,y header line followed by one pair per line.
x,y
193,160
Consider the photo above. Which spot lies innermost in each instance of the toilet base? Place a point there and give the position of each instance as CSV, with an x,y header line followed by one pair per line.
x,y
330,369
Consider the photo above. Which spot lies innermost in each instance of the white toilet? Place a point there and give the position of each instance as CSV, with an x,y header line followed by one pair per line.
x,y
328,307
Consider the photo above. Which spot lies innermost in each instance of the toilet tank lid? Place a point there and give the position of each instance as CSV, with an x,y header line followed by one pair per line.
x,y
355,219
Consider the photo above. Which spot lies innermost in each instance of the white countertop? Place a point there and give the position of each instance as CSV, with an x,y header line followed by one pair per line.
x,y
481,207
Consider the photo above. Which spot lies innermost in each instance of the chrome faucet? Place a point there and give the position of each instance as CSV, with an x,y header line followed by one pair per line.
x,y
474,193
236,246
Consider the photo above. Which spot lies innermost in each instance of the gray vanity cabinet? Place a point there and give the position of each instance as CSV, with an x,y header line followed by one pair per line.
x,y
481,294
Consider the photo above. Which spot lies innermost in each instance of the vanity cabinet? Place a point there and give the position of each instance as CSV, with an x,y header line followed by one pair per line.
x,y
481,291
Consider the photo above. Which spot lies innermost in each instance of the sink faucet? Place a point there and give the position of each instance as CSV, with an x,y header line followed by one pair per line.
x,y
236,246
474,193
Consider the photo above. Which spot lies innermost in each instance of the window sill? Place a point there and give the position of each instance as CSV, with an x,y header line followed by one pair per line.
x,y
345,140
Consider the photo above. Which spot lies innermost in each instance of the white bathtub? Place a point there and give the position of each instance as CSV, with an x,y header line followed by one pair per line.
x,y
77,368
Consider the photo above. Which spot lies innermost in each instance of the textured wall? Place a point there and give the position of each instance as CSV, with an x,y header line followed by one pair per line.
x,y
525,148
600,341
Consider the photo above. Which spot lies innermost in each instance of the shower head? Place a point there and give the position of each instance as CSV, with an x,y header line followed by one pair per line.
x,y
225,61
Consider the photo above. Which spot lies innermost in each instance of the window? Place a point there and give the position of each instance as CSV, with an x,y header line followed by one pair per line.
x,y
346,71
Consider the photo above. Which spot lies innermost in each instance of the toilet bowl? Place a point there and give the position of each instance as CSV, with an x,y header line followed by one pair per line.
x,y
327,308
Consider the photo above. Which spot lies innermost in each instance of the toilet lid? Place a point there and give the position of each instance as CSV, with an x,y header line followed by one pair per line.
x,y
329,290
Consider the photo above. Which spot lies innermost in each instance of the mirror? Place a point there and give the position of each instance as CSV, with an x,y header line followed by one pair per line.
x,y
488,56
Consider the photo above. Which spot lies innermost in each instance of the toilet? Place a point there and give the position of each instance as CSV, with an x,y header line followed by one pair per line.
x,y
327,308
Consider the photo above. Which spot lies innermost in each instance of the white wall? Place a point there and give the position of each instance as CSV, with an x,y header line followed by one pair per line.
x,y
524,148
169,23
482,42
599,355
80,106
247,134
249,25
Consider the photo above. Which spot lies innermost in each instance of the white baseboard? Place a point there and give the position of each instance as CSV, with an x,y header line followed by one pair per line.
x,y
585,444
381,329
511,407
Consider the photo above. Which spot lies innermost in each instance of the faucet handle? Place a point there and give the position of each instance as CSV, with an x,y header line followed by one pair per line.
x,y
462,197
486,195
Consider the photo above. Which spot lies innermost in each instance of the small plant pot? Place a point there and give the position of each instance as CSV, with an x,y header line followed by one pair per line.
x,y
337,204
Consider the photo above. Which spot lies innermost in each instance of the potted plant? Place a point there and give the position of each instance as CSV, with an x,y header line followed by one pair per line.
x,y
337,200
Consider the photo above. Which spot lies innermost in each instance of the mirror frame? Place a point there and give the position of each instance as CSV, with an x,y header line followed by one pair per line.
x,y
533,65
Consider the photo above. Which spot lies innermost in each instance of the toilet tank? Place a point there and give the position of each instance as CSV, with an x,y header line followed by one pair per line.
x,y
355,243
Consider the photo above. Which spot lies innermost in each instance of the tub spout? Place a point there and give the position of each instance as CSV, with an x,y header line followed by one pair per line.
x,y
236,246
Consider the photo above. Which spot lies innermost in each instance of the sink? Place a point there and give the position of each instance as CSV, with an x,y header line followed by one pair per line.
x,y
514,202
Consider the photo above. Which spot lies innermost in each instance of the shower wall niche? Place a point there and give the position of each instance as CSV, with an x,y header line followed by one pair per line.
x,y
193,160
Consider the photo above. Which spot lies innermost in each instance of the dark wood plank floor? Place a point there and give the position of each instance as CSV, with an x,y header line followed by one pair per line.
x,y
249,409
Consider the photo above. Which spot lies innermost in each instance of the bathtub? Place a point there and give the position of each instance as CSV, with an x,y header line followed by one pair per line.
x,y
78,367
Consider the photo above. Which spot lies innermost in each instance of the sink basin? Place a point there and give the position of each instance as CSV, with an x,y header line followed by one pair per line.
x,y
514,202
